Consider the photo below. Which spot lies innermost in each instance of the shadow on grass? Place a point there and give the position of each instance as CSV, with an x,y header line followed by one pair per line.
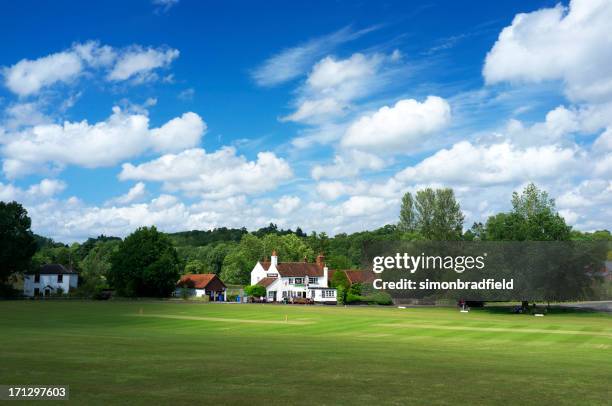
x,y
553,309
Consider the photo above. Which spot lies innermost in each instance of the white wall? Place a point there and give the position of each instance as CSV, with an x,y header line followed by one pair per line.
x,y
70,281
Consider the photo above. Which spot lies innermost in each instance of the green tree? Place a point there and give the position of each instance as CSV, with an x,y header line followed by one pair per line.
x,y
434,214
146,264
17,243
255,291
533,218
339,279
407,221
195,266
95,267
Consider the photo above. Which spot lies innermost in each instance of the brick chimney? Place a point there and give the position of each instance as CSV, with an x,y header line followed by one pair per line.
x,y
320,260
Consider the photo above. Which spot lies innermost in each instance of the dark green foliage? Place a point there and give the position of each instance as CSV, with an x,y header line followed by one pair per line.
x,y
195,266
197,238
17,243
88,245
435,214
146,264
255,291
533,218
339,279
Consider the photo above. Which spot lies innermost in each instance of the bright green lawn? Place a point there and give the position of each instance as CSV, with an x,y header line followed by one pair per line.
x,y
245,354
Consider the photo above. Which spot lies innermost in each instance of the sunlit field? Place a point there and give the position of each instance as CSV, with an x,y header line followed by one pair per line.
x,y
150,352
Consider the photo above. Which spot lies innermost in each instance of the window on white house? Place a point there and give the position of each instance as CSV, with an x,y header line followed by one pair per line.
x,y
37,278
329,293
313,279
284,294
60,278
290,281
271,294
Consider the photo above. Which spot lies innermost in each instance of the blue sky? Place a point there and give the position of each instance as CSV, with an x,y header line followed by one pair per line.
x,y
192,115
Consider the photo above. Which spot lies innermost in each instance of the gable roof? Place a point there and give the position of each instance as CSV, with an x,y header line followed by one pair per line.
x,y
292,269
200,281
53,269
353,275
265,282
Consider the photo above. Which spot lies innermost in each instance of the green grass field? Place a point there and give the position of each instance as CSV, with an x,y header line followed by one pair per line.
x,y
163,353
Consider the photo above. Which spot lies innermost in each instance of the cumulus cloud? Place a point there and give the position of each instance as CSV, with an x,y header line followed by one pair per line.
x,y
466,163
293,62
571,44
287,204
347,164
400,128
365,205
334,83
136,192
28,77
215,175
45,189
106,143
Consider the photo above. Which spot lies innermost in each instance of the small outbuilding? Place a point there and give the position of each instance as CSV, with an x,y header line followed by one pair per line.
x,y
201,285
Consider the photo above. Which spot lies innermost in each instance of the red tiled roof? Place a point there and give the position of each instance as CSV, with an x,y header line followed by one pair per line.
x,y
292,269
356,276
265,282
353,275
200,281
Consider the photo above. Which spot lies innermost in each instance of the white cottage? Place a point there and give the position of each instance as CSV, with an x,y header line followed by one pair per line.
x,y
50,279
285,281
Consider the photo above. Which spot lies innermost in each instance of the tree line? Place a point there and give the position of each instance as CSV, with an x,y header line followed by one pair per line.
x,y
148,262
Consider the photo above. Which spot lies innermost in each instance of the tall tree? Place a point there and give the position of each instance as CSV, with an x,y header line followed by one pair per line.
x,y
146,264
17,243
407,221
533,218
435,214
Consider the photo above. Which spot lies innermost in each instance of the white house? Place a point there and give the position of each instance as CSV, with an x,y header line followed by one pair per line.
x,y
290,280
49,279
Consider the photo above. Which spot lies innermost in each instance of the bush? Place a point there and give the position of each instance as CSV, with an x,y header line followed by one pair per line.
x,y
381,298
255,291
341,295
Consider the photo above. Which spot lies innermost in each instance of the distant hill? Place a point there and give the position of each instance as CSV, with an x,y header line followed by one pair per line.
x,y
196,238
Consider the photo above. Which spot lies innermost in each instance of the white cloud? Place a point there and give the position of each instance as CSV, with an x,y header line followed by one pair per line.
x,y
106,143
357,206
29,76
334,83
465,163
287,204
136,192
569,44
43,190
400,128
139,63
214,175
308,109
348,164
179,133
293,62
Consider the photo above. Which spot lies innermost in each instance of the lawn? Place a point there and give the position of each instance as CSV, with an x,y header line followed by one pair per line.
x,y
162,353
